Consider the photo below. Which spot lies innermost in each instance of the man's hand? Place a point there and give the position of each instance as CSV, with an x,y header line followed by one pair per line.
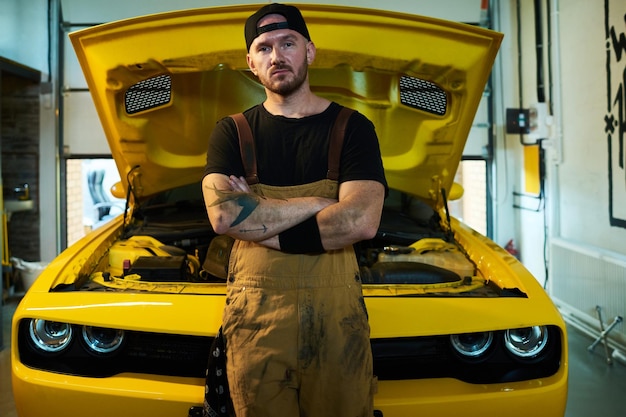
x,y
235,210
239,184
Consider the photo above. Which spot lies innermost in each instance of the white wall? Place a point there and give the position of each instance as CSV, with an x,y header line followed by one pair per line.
x,y
23,32
518,215
506,166
584,173
577,150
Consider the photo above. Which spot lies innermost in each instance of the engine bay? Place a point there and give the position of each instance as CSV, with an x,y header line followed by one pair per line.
x,y
170,241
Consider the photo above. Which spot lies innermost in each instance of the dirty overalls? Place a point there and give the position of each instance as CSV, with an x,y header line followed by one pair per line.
x,y
296,328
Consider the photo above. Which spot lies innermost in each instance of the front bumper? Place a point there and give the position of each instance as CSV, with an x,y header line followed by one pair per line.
x,y
39,393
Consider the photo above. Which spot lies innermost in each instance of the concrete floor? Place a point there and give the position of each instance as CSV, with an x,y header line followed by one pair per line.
x,y
595,389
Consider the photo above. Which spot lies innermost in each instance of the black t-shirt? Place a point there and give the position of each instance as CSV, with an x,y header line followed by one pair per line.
x,y
295,151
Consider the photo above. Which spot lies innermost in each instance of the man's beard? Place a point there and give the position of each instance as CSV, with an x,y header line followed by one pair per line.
x,y
285,88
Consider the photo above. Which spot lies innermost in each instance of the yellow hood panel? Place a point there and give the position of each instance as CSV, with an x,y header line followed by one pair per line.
x,y
161,82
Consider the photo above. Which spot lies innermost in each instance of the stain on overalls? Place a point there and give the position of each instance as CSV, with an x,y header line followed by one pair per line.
x,y
296,328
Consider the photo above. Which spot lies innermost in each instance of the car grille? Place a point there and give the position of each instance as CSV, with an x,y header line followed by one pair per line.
x,y
433,357
142,352
394,358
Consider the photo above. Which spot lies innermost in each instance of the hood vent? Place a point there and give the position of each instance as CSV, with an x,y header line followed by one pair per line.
x,y
148,94
423,95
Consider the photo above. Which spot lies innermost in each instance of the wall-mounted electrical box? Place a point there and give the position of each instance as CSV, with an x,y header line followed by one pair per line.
x,y
517,121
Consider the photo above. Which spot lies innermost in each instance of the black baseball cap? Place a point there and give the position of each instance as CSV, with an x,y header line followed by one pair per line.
x,y
294,21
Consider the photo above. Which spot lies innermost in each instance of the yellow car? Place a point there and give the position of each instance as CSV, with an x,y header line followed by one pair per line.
x,y
120,323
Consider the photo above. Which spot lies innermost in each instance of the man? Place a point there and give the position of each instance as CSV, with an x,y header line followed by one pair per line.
x,y
295,323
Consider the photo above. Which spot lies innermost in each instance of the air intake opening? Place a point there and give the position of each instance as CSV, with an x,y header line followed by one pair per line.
x,y
148,94
423,95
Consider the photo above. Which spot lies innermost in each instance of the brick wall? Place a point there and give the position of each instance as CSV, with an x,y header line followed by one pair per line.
x,y
74,176
19,130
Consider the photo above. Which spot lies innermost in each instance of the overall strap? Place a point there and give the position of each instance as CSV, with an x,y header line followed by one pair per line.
x,y
248,152
337,135
246,147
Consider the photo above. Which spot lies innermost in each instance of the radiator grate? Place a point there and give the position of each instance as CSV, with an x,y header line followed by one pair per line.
x,y
585,277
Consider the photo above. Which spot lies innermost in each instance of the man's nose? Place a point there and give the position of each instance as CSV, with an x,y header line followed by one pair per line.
x,y
276,56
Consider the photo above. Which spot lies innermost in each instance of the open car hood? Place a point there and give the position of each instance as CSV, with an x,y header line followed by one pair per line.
x,y
161,82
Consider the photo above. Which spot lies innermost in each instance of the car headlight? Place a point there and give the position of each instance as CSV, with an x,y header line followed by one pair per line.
x,y
50,336
526,342
103,340
472,345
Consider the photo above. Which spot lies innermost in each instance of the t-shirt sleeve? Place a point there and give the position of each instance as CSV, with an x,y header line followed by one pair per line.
x,y
360,157
223,155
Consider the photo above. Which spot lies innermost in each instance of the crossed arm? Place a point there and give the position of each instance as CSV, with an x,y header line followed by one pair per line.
x,y
236,211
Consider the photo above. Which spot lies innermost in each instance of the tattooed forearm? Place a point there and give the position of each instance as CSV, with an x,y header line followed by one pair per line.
x,y
247,201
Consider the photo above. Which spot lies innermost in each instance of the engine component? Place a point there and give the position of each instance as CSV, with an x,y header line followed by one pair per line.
x,y
160,268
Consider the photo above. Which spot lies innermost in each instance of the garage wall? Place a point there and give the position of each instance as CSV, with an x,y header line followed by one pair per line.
x,y
24,38
591,176
588,254
576,228
23,32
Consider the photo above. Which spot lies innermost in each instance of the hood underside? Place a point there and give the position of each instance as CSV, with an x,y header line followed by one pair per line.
x,y
161,82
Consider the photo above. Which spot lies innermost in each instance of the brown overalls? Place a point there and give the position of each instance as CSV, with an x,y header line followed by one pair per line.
x,y
296,328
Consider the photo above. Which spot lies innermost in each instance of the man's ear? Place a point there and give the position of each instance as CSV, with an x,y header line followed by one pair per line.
x,y
251,64
310,52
